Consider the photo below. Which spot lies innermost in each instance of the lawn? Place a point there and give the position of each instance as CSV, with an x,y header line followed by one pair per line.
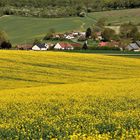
x,y
58,95
26,29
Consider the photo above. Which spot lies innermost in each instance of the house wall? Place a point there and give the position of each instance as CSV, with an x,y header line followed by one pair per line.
x,y
57,46
43,49
35,48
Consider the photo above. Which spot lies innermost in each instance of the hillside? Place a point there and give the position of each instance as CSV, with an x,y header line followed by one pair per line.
x,y
47,95
62,8
26,29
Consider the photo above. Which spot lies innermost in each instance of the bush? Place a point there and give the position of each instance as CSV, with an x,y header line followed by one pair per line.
x,y
108,34
82,14
106,48
5,45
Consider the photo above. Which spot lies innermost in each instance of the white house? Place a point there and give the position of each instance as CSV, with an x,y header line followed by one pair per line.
x,y
69,37
63,46
40,47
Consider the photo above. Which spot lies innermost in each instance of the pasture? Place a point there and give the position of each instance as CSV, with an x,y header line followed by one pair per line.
x,y
26,29
58,95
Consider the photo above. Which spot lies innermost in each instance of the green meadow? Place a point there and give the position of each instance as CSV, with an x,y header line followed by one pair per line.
x,y
26,29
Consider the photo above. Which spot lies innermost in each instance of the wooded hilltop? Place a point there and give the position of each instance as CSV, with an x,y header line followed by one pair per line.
x,y
62,8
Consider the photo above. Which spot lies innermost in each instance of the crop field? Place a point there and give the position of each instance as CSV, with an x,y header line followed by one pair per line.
x,y
26,29
59,95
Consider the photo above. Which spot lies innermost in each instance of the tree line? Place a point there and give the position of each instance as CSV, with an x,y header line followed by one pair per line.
x,y
59,8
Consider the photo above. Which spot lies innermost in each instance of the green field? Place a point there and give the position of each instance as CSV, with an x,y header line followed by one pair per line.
x,y
59,95
26,29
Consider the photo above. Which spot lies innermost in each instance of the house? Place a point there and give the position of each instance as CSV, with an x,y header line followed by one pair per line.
x,y
58,36
75,34
63,46
69,37
133,47
103,44
82,33
76,45
98,36
40,47
24,47
138,43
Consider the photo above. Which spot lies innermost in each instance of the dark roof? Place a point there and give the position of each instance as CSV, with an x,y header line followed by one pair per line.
x,y
76,45
134,46
41,45
138,43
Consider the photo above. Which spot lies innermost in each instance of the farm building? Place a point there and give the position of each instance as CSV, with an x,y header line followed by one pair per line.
x,y
70,36
40,47
133,46
103,44
63,46
24,47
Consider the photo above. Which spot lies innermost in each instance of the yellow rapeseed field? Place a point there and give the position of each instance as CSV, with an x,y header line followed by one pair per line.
x,y
62,96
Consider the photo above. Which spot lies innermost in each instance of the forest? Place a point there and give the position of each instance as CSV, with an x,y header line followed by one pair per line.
x,y
62,8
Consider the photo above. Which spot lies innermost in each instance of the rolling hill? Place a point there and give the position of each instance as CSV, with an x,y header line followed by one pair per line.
x,y
26,29
57,95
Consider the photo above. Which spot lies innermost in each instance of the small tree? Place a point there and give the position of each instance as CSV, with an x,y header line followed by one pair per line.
x,y
101,22
3,36
123,43
136,36
94,35
85,46
6,45
108,34
88,32
128,30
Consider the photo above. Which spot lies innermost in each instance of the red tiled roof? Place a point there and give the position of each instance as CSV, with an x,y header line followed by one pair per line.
x,y
65,45
102,44
76,45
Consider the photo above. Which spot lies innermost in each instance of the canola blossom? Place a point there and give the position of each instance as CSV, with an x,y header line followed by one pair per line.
x,y
57,95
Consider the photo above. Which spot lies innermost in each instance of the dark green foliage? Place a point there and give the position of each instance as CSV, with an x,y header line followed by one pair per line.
x,y
108,34
3,37
128,30
85,46
5,45
101,22
88,32
59,8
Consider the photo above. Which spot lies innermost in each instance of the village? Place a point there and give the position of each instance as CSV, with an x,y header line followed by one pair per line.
x,y
78,41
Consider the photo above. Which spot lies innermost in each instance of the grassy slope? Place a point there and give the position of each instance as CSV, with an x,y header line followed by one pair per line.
x,y
22,29
47,94
118,17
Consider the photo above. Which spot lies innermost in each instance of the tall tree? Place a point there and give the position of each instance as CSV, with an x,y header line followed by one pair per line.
x,y
88,32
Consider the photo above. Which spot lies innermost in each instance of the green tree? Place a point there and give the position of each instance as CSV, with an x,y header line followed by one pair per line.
x,y
127,30
88,32
85,46
3,36
108,34
101,22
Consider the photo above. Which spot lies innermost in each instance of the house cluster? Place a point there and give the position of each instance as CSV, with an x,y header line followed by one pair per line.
x,y
47,46
69,36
